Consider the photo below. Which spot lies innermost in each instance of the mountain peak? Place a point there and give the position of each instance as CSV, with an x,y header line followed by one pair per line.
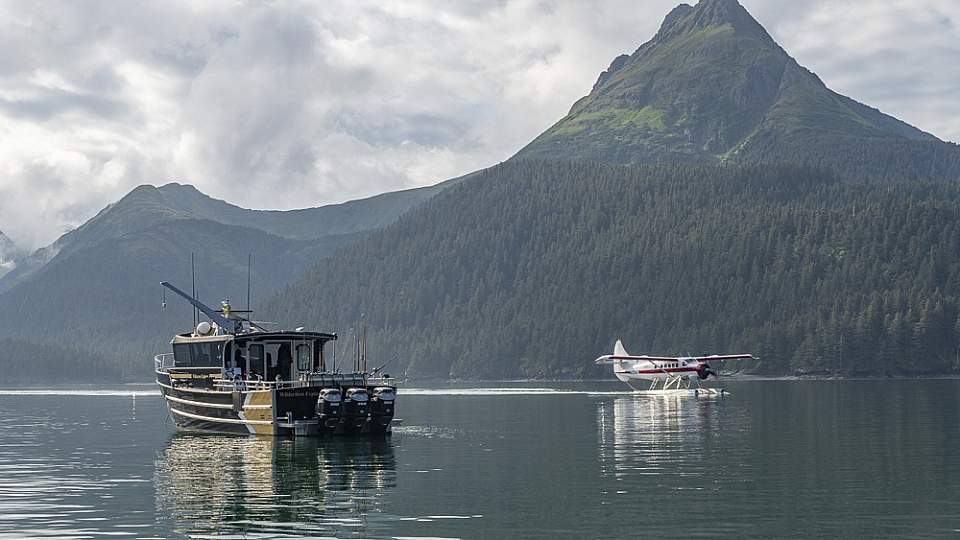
x,y
713,86
685,19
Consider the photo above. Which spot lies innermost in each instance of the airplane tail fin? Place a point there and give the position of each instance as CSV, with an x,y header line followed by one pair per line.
x,y
618,349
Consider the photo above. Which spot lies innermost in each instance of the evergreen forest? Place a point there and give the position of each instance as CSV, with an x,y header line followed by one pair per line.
x,y
535,268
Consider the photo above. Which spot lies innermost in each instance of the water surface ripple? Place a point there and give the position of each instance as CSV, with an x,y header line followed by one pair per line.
x,y
774,459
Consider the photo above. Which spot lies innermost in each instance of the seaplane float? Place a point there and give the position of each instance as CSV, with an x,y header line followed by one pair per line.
x,y
666,374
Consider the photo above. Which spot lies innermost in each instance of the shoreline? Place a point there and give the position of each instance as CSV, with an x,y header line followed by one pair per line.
x,y
145,385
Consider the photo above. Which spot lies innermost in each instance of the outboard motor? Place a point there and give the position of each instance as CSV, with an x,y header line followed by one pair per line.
x,y
381,408
328,408
355,409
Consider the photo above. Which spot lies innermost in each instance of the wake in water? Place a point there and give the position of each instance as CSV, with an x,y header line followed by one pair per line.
x,y
506,392
403,391
75,392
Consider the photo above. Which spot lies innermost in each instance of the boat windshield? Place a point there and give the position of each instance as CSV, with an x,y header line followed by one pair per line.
x,y
202,354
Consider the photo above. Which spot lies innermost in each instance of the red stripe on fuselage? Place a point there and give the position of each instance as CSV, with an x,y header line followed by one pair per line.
x,y
659,371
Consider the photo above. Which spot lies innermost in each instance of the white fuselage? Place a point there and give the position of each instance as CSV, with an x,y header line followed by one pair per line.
x,y
647,370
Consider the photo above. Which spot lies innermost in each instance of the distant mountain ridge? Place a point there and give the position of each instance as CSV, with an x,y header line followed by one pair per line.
x,y
96,289
147,205
712,86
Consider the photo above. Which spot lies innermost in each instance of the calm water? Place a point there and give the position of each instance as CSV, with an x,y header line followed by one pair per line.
x,y
774,459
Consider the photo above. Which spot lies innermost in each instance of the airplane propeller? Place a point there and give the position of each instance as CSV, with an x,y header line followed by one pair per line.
x,y
704,372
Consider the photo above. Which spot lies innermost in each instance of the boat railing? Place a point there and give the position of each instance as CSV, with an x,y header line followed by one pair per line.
x,y
243,385
339,379
163,361
166,361
382,381
305,381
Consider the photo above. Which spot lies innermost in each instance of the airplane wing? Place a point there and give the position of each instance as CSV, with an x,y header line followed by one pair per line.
x,y
611,358
721,357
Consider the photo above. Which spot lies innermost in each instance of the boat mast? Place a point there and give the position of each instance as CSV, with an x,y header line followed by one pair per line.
x,y
363,349
193,283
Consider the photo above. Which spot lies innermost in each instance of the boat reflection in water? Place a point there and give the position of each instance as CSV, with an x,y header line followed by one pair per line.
x,y
208,484
655,435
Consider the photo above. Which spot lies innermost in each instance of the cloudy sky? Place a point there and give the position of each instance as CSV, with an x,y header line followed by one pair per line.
x,y
275,104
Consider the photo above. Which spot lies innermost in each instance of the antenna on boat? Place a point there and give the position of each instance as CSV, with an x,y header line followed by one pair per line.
x,y
333,368
363,348
193,283
249,261
228,325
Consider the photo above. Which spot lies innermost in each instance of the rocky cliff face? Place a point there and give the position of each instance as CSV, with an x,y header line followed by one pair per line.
x,y
8,254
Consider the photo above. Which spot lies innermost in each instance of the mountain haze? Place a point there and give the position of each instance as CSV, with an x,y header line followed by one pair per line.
x,y
96,289
713,86
146,206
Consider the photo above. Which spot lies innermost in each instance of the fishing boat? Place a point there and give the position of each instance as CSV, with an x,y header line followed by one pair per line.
x,y
230,375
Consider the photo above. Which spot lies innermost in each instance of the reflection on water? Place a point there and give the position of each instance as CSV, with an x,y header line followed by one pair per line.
x,y
654,435
775,459
214,485
59,475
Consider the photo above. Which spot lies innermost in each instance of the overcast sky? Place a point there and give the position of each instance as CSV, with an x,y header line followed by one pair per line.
x,y
293,104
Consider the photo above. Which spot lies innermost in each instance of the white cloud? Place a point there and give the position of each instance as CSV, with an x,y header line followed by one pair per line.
x,y
292,104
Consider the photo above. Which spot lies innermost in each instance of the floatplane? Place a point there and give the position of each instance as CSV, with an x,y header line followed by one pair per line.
x,y
666,374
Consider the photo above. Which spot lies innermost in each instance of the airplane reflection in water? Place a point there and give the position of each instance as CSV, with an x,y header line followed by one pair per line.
x,y
219,484
652,434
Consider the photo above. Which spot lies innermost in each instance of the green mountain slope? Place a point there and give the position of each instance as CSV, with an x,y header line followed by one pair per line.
x,y
146,206
713,86
46,359
96,289
534,269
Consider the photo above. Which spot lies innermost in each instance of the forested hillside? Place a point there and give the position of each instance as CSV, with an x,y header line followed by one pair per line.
x,y
95,292
534,269
23,362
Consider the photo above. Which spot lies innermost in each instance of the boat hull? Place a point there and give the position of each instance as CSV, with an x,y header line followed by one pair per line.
x,y
271,412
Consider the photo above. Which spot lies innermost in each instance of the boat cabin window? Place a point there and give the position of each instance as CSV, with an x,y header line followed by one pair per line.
x,y
181,354
205,354
304,359
237,358
256,358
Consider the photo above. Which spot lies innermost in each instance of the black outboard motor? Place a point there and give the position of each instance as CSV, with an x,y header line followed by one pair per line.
x,y
355,409
329,408
381,409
